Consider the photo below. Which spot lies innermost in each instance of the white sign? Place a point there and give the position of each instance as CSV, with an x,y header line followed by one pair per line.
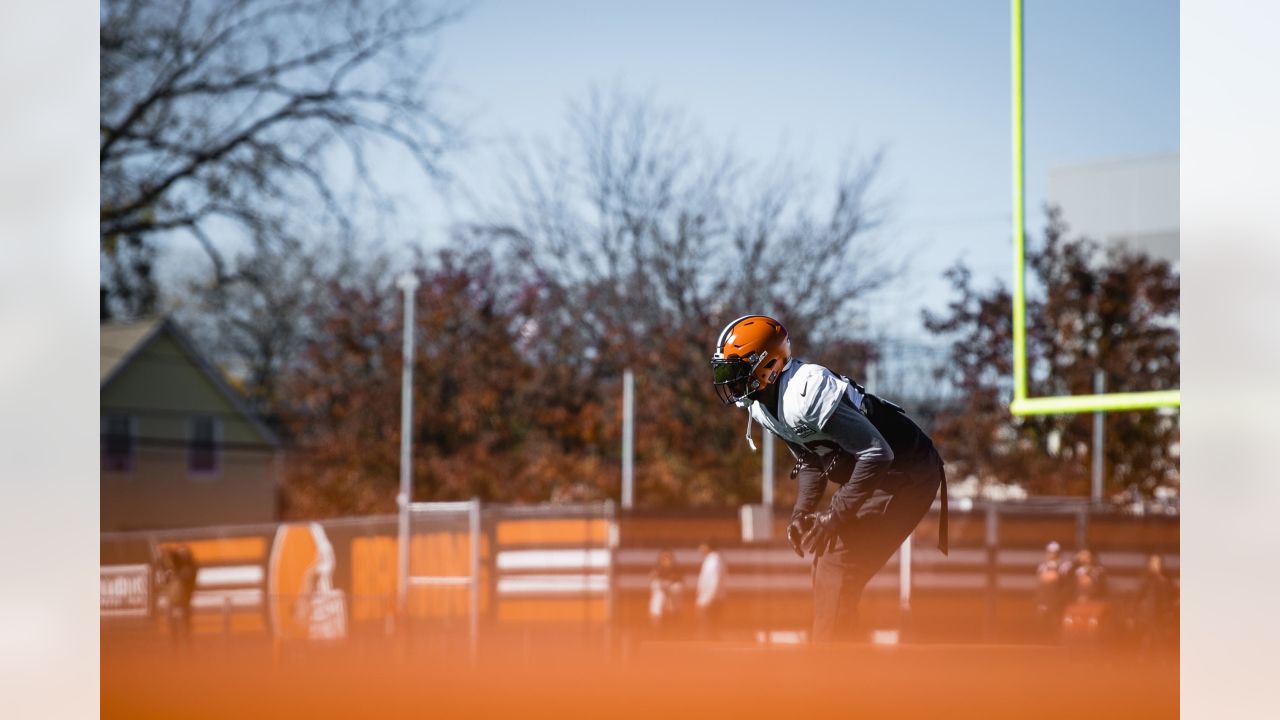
x,y
124,590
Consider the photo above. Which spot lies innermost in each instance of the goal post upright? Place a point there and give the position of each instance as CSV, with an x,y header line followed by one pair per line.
x,y
1063,404
1019,214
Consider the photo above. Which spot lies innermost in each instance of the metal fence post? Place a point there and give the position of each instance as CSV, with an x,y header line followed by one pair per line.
x,y
491,534
993,570
610,607
473,517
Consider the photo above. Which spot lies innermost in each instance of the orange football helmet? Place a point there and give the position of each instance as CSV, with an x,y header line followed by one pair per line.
x,y
750,354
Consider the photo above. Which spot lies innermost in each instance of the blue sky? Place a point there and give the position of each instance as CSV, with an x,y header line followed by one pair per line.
x,y
926,80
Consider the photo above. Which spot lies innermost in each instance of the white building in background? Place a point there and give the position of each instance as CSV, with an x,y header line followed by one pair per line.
x,y
1132,201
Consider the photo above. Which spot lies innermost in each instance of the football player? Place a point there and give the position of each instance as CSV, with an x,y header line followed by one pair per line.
x,y
887,468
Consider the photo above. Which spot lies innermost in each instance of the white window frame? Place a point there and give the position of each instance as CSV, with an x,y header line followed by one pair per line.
x,y
216,471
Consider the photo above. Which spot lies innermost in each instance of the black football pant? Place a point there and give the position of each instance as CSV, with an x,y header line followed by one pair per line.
x,y
865,543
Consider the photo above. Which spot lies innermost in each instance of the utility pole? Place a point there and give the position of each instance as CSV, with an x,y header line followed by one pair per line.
x,y
1099,432
628,438
766,475
408,283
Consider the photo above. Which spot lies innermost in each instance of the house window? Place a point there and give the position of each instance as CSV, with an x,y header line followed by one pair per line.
x,y
117,443
202,445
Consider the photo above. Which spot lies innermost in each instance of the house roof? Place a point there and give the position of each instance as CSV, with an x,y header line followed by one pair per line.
x,y
121,342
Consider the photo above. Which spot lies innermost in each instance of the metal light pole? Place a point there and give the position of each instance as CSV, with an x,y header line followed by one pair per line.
x,y
1099,431
766,476
407,283
628,438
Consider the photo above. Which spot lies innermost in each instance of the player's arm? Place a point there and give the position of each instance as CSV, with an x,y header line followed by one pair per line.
x,y
811,481
870,451
872,456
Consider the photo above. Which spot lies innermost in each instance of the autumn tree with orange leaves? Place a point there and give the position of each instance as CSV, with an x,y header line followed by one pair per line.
x,y
1087,309
629,247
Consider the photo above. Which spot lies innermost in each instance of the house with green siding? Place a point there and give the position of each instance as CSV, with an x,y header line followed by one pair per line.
x,y
179,446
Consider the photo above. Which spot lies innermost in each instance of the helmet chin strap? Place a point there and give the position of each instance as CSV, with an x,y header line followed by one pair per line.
x,y
751,442
743,402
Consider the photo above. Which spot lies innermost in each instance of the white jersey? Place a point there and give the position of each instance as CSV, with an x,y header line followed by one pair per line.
x,y
807,396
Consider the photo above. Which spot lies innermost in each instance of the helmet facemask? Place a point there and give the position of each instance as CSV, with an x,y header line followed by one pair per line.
x,y
735,378
750,354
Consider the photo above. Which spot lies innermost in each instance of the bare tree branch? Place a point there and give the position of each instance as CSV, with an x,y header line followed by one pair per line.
x,y
235,109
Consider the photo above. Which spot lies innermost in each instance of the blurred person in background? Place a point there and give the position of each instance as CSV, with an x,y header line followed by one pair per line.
x,y
1086,618
1049,593
1154,618
711,591
666,587
887,468
176,572
1088,577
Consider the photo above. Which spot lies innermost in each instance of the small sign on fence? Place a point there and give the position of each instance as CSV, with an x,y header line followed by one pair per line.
x,y
124,590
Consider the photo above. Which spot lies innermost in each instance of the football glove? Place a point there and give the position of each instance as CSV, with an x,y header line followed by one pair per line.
x,y
796,530
821,535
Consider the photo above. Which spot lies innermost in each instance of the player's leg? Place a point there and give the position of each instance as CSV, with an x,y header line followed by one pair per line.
x,y
913,496
865,544
836,594
841,574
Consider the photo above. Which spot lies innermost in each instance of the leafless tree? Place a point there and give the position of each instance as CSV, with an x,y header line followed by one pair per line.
x,y
219,116
255,327
643,238
648,224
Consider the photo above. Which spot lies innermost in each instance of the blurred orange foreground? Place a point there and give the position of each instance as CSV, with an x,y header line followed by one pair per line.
x,y
660,680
